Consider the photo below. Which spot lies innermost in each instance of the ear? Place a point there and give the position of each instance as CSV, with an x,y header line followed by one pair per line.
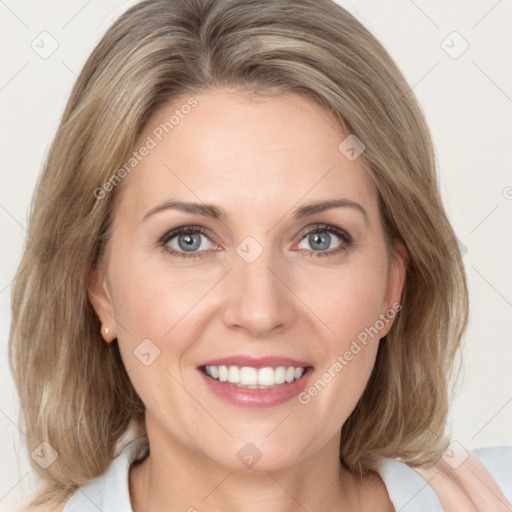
x,y
396,279
98,293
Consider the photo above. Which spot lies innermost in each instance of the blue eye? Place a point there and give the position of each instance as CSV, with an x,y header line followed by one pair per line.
x,y
321,238
187,241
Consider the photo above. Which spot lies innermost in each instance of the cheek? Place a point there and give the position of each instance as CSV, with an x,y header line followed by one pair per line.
x,y
347,300
349,303
150,301
152,310
160,312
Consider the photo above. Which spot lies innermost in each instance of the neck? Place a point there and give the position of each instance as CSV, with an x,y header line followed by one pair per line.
x,y
175,477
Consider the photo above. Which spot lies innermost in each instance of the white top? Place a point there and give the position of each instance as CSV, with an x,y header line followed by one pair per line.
x,y
407,489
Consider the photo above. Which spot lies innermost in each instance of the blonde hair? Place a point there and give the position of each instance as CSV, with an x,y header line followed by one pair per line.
x,y
75,393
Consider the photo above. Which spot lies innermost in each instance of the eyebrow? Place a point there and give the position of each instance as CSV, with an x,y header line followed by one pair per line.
x,y
215,212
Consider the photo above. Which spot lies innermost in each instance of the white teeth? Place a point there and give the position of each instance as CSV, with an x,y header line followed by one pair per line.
x,y
234,374
249,377
280,375
223,373
266,376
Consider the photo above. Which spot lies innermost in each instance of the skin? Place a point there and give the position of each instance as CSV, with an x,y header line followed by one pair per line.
x,y
258,160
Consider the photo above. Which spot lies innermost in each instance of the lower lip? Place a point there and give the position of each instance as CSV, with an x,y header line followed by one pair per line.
x,y
255,397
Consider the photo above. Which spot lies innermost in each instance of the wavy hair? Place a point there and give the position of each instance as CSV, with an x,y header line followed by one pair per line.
x,y
74,390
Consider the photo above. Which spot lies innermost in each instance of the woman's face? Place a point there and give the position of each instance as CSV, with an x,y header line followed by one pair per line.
x,y
259,289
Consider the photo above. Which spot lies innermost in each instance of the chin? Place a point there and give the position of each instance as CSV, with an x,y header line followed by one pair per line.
x,y
248,456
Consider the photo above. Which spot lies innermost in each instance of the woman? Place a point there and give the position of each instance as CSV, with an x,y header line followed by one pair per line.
x,y
242,261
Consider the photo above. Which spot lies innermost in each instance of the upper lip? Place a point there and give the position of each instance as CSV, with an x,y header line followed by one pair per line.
x,y
256,362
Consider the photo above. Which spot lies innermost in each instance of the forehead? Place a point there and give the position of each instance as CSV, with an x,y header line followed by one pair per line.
x,y
249,155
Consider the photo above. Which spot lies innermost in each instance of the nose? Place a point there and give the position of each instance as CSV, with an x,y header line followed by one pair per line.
x,y
259,300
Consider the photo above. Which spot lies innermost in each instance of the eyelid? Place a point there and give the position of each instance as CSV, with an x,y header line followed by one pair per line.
x,y
319,226
183,229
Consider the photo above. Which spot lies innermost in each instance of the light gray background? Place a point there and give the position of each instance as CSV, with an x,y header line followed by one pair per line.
x,y
468,104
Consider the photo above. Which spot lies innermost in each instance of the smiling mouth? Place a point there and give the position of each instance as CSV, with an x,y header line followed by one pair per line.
x,y
255,378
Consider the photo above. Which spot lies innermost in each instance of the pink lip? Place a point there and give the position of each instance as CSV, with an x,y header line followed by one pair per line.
x,y
255,397
256,362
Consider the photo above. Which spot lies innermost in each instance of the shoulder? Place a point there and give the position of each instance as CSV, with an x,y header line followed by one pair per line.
x,y
472,481
109,491
49,506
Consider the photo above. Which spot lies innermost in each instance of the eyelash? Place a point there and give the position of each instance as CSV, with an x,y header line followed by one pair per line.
x,y
343,235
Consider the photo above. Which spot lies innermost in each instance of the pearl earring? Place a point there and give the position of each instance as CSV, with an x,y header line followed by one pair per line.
x,y
106,330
